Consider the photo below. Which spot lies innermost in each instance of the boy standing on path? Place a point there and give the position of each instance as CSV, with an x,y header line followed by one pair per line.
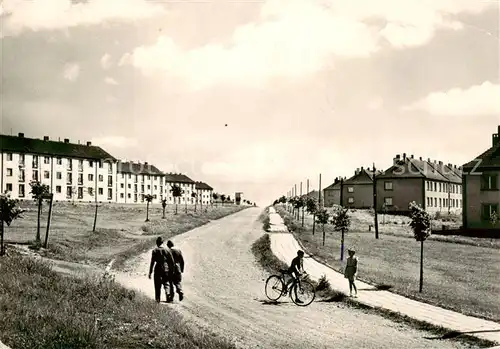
x,y
176,277
351,270
163,263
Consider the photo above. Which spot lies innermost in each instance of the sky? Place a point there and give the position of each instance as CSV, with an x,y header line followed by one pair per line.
x,y
305,87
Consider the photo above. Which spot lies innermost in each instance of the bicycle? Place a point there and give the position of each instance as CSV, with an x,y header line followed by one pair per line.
x,y
304,289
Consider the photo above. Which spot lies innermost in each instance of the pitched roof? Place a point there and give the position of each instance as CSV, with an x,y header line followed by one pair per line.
x,y
416,168
177,178
363,176
203,186
335,185
138,168
312,194
24,145
489,159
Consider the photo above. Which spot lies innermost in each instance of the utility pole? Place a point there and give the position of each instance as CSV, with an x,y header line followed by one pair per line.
x,y
375,200
302,206
342,191
319,193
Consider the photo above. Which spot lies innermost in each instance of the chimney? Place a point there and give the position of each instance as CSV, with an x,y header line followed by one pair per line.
x,y
45,138
494,141
20,135
404,156
89,144
146,163
440,162
66,140
428,160
396,159
411,156
420,158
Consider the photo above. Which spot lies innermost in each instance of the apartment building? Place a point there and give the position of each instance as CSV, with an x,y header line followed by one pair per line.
x,y
186,184
73,172
204,193
481,187
135,180
238,198
437,187
331,194
357,191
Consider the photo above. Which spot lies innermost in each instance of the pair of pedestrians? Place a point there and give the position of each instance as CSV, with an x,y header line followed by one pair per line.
x,y
168,266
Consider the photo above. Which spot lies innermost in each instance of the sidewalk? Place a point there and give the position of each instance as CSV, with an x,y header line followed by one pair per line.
x,y
285,246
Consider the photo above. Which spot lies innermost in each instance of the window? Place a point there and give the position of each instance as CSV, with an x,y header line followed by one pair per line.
x,y
350,189
135,188
350,200
110,194
156,187
129,195
91,177
135,197
80,192
59,161
100,164
35,161
21,174
149,187
142,197
135,179
80,165
8,186
440,187
21,159
69,192
80,179
487,210
388,186
122,195
142,188
91,163
388,201
101,178
435,186
129,176
435,202
58,175
101,191
69,178
21,190
90,190
9,156
129,186
70,165
35,175
122,185
46,174
429,202
489,182
9,172
110,168
110,181
58,189
46,160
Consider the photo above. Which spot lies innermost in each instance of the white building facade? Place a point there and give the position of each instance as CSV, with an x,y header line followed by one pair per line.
x,y
204,193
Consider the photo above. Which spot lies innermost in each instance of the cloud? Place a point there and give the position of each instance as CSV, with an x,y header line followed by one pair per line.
x,y
21,15
115,142
110,81
106,61
476,100
298,38
71,71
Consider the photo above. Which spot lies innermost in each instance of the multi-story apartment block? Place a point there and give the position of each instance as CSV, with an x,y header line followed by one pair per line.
x,y
481,186
331,194
435,186
135,180
204,193
73,172
187,185
357,191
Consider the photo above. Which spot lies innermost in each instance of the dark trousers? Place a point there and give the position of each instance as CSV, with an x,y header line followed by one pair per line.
x,y
160,279
175,280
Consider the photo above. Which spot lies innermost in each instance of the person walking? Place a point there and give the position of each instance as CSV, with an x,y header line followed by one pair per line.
x,y
176,276
162,262
351,271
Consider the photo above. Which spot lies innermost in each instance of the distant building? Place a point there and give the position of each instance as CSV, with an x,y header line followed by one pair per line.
x,y
331,194
357,191
204,193
481,185
437,187
238,198
135,180
73,172
186,184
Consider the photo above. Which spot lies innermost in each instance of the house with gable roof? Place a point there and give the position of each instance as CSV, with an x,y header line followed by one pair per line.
x,y
357,191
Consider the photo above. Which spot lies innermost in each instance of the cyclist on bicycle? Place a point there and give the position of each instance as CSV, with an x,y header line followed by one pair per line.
x,y
295,270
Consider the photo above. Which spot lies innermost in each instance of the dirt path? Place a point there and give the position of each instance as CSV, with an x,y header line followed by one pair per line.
x,y
224,290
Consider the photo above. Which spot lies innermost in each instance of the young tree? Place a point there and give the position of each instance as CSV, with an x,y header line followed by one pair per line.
x,y
312,208
228,199
299,203
39,191
215,196
177,192
282,199
164,206
341,222
421,226
222,198
9,211
292,201
322,217
149,199
195,197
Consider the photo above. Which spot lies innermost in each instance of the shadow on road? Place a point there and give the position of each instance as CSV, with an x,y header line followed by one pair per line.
x,y
454,334
268,302
377,288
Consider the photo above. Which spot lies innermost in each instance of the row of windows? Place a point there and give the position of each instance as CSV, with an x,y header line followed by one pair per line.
x,y
46,160
69,176
489,182
488,210
443,187
70,191
433,202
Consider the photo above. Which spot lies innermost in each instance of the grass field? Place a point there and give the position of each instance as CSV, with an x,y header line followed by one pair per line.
x,y
42,309
121,230
459,276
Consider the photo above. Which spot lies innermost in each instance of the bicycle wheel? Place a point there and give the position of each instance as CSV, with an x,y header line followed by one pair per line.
x,y
305,293
274,287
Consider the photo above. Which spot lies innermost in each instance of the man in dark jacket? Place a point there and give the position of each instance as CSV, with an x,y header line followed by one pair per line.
x,y
176,276
163,263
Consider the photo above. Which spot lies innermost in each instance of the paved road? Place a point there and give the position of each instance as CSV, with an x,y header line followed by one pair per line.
x,y
224,290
